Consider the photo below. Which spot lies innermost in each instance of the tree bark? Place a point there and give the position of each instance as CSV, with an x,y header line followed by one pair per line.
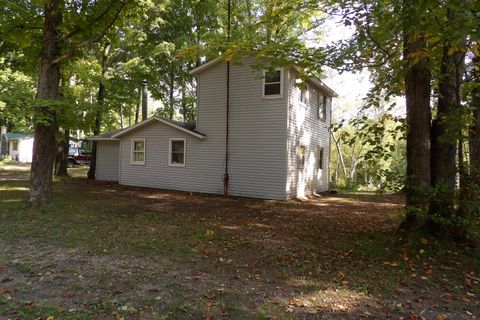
x,y
446,131
62,154
171,89
45,118
340,156
98,116
137,107
184,105
417,94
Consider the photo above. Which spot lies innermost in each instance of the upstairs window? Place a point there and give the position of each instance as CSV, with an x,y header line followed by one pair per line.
x,y
322,102
138,151
177,152
272,83
304,95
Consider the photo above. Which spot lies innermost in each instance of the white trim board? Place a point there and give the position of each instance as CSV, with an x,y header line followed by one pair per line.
x,y
145,122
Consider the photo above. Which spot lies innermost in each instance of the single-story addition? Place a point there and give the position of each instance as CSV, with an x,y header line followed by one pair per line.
x,y
18,146
278,138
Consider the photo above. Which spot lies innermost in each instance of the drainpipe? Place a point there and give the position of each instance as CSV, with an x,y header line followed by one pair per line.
x,y
226,177
144,100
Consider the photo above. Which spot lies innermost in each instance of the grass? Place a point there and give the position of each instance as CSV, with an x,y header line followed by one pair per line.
x,y
105,251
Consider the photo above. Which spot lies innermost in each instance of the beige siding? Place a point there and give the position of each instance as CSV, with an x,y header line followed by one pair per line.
x,y
257,163
107,160
202,171
305,128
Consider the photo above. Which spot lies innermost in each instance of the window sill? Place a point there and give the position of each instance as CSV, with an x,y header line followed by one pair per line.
x,y
277,96
137,163
176,165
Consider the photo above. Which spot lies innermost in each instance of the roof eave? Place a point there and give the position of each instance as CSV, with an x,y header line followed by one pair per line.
x,y
205,66
102,139
193,133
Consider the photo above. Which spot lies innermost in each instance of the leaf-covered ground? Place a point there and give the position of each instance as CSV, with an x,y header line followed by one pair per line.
x,y
109,252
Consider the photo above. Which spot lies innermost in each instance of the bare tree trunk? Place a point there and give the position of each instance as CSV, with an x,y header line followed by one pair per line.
x,y
121,116
45,124
417,93
184,105
340,156
98,116
137,107
171,90
445,131
62,154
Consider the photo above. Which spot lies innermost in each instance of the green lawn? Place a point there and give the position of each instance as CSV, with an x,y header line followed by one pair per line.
x,y
108,252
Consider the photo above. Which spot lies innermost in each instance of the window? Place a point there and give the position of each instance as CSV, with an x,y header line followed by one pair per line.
x,y
272,83
15,145
177,152
301,156
138,151
320,158
304,95
322,106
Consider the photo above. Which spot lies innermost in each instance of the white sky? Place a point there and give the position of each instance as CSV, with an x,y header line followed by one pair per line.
x,y
351,87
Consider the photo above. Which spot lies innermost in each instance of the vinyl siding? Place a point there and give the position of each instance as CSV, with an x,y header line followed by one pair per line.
x,y
24,150
257,163
305,128
107,160
202,171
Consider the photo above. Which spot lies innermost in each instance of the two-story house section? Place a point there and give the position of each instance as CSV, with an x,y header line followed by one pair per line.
x,y
278,138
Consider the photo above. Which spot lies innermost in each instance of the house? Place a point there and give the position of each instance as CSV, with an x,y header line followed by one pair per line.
x,y
18,146
278,138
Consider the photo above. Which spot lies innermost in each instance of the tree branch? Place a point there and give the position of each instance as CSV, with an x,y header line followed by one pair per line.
x,y
79,29
74,48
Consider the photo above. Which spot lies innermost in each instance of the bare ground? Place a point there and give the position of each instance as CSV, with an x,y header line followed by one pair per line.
x,y
105,251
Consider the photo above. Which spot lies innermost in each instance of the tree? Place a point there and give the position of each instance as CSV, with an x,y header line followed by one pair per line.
x,y
67,29
417,95
101,101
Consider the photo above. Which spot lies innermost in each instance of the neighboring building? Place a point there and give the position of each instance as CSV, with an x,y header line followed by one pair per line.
x,y
18,146
279,138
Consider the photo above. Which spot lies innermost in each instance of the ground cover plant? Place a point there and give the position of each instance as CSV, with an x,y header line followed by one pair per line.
x,y
105,251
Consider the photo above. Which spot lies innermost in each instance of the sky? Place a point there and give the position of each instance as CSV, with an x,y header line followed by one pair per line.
x,y
350,87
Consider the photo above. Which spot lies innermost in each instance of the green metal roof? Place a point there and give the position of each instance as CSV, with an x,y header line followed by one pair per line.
x,y
17,136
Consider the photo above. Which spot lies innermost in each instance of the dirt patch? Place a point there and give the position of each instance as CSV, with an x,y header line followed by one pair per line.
x,y
104,251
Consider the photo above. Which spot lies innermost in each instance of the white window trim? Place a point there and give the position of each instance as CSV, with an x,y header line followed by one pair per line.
x,y
170,152
132,149
273,96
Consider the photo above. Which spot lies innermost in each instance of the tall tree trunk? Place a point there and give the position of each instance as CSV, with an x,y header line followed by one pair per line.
x,y
184,105
446,130
340,156
417,94
62,153
137,107
45,124
98,116
171,91
144,100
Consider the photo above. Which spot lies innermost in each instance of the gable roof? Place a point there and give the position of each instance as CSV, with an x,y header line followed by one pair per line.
x,y
185,127
314,80
17,136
